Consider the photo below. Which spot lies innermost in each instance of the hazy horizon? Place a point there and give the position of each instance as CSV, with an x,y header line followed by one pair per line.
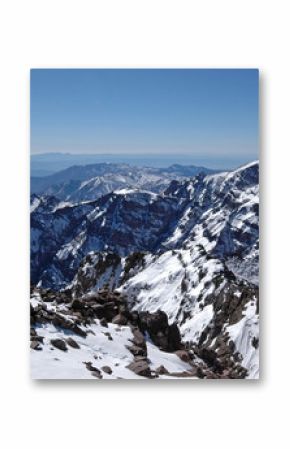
x,y
205,115
47,163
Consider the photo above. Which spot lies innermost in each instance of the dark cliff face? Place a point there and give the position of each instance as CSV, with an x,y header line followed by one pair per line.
x,y
120,223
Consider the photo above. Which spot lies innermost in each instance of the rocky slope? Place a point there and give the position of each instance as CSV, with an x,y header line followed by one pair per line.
x,y
215,310
98,337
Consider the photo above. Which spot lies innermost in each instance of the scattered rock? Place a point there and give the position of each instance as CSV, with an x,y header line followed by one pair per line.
x,y
95,371
59,344
199,372
103,322
139,339
161,370
61,321
119,319
108,335
208,355
166,337
35,345
154,322
99,311
255,342
107,369
183,355
48,298
37,338
141,368
189,373
71,342
138,350
77,305
77,330
137,358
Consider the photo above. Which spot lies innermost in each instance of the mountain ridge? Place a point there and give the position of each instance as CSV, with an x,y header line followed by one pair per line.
x,y
84,182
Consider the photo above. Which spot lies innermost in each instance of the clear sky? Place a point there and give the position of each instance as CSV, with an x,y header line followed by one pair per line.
x,y
204,113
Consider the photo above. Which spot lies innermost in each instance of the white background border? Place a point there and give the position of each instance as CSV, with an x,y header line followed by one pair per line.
x,y
63,33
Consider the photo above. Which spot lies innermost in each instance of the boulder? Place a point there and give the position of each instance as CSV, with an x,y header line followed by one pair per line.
x,y
120,319
183,355
71,342
210,375
35,345
77,330
255,342
199,372
141,368
37,338
153,322
77,305
138,350
225,374
107,369
98,310
61,321
166,337
223,351
161,370
174,338
108,335
137,358
103,322
110,310
59,344
138,338
208,355
49,298
95,371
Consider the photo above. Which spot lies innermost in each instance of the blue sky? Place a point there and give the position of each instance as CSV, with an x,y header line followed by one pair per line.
x,y
205,114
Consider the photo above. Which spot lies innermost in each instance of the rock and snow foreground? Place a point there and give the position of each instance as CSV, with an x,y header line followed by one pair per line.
x,y
99,337
191,252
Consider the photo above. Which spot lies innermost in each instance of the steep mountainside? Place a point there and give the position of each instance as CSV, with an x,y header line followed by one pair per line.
x,y
219,212
121,222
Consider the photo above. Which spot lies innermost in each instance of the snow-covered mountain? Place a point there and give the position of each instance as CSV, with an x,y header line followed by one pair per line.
x,y
83,183
219,212
190,251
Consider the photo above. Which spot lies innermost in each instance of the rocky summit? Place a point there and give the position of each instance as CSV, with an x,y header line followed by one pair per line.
x,y
147,282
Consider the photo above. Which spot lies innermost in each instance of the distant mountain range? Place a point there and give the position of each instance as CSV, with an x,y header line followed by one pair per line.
x,y
44,164
82,183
